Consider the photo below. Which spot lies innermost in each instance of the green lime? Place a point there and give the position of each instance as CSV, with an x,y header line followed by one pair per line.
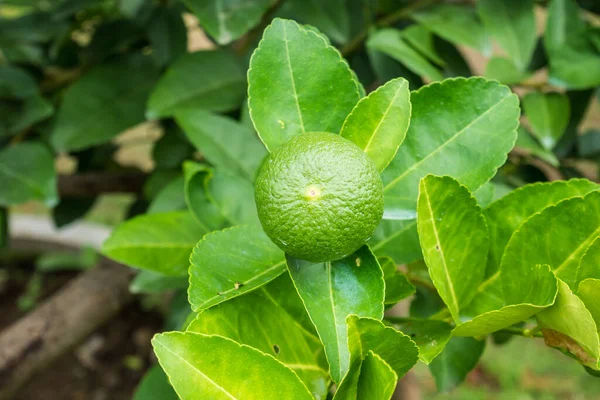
x,y
319,197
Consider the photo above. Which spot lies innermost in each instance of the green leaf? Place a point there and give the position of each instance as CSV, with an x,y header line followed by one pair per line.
x,y
170,198
264,320
377,379
228,20
491,192
16,83
450,121
588,143
157,242
298,83
589,267
155,385
331,17
208,80
227,144
588,293
506,215
574,61
378,123
333,290
431,336
548,114
231,262
154,282
504,71
233,196
206,213
397,239
512,24
27,173
107,100
167,34
458,24
202,366
422,40
569,326
454,238
459,357
392,42
397,285
526,142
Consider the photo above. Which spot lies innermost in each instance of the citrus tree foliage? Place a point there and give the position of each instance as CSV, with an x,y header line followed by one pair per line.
x,y
483,231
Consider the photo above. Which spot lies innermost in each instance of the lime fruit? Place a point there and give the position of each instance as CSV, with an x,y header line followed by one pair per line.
x,y
319,197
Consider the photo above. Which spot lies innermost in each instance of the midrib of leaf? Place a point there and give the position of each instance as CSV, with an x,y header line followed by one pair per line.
x,y
383,117
582,246
306,367
456,135
245,284
23,178
302,328
337,335
198,371
289,63
441,250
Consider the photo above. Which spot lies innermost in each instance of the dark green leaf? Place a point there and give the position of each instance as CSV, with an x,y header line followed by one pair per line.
x,y
171,149
69,210
422,40
459,357
397,285
589,143
155,385
206,213
167,34
431,336
330,17
170,198
548,114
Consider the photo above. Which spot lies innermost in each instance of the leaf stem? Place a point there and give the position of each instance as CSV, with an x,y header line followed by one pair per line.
x,y
531,333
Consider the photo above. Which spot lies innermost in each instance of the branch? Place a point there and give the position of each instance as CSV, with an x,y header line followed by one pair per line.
x,y
92,184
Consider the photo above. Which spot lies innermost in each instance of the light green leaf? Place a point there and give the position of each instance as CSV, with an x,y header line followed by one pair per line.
x,y
155,385
459,357
454,238
458,24
154,282
569,326
431,336
206,213
397,239
333,290
526,142
264,320
225,143
27,173
548,114
209,367
460,127
233,196
208,80
589,267
157,242
107,100
378,123
231,262
397,285
512,24
504,71
574,61
377,379
588,293
422,40
507,214
228,20
298,83
392,42
170,198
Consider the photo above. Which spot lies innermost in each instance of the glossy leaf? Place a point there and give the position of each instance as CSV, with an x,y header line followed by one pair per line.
x,y
202,366
589,267
157,242
233,196
397,239
458,24
392,42
155,385
569,325
588,293
225,143
206,213
507,214
397,285
431,336
548,114
333,290
298,83
219,84
107,100
512,24
459,357
27,173
460,127
378,123
454,238
227,20
231,262
264,320
377,379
